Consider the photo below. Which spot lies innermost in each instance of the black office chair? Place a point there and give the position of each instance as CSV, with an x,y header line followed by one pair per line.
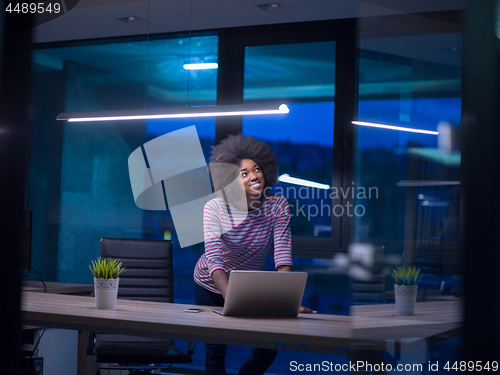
x,y
428,260
148,277
372,291
369,292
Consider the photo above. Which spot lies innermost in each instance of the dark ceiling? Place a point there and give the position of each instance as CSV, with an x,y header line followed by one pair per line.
x,y
91,19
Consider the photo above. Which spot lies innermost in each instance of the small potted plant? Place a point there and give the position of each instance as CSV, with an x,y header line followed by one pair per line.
x,y
106,274
405,289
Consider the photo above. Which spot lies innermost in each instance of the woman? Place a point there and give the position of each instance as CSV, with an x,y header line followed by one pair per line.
x,y
247,245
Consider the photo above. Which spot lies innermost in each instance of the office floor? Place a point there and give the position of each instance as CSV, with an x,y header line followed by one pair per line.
x,y
61,359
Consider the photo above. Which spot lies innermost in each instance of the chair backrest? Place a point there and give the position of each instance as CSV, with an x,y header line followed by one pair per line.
x,y
428,259
373,291
148,275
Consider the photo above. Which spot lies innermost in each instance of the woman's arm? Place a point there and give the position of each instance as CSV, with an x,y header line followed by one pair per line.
x,y
213,246
282,235
220,279
283,245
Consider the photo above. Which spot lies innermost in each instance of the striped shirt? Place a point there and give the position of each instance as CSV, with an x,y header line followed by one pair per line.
x,y
236,240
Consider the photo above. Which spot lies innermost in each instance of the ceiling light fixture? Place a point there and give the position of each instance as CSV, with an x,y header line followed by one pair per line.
x,y
298,181
272,6
186,112
131,19
451,50
200,66
391,127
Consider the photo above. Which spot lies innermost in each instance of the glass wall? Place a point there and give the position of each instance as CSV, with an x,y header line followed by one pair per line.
x,y
405,194
417,175
407,148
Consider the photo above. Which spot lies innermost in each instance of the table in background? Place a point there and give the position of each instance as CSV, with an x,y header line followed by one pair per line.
x,y
56,287
434,321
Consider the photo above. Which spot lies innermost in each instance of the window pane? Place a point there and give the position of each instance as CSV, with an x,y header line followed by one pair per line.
x,y
303,75
169,80
112,76
79,185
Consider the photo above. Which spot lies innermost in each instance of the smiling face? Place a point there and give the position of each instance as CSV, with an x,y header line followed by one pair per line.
x,y
253,180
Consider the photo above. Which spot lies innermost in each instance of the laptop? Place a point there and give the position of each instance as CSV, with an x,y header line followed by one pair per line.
x,y
264,293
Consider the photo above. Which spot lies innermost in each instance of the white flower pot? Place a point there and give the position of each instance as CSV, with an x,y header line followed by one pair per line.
x,y
106,292
406,297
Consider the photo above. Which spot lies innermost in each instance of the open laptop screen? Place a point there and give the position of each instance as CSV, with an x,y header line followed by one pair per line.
x,y
264,293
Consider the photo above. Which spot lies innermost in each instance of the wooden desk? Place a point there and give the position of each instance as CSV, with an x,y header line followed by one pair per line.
x,y
156,319
321,333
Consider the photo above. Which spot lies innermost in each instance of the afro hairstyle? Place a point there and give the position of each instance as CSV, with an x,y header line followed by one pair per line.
x,y
235,148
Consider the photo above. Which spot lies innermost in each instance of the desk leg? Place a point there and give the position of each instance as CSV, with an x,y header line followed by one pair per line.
x,y
84,360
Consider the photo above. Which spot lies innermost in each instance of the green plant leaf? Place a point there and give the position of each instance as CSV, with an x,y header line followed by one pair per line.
x,y
406,275
106,268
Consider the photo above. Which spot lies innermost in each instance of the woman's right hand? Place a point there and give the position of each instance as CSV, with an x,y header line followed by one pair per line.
x,y
306,310
220,280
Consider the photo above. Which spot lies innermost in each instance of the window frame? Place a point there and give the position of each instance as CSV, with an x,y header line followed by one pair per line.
x,y
230,82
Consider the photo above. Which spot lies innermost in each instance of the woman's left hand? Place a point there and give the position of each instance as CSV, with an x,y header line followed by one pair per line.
x,y
306,310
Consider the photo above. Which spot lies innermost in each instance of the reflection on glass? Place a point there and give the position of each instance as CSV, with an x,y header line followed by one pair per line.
x,y
397,90
110,76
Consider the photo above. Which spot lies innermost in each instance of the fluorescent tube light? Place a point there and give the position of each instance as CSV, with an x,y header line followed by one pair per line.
x,y
185,112
391,127
200,66
299,181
